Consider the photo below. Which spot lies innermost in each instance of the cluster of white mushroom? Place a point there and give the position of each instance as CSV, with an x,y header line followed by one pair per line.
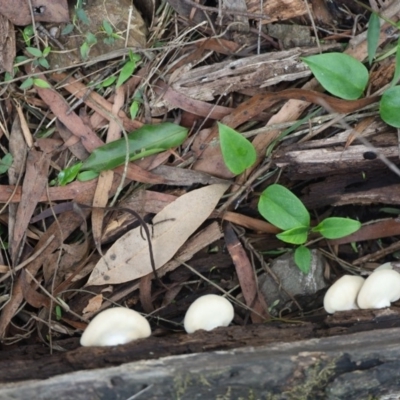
x,y
350,292
122,325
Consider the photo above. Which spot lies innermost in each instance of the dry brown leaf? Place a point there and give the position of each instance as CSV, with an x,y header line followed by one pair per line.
x,y
19,12
18,150
246,276
103,188
33,187
105,180
94,304
128,258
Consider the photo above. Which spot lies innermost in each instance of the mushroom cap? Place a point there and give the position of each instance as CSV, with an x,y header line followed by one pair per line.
x,y
342,295
208,312
115,326
380,289
387,265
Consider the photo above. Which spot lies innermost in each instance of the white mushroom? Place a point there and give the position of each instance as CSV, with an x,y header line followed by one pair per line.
x,y
342,295
115,326
380,289
208,312
387,265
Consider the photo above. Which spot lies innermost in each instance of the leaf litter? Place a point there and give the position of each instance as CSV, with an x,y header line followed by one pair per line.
x,y
190,81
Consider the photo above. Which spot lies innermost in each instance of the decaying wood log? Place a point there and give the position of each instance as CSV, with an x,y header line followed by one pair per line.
x,y
357,366
278,361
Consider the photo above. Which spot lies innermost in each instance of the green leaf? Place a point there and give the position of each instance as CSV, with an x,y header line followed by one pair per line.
x,y
238,153
109,41
41,83
67,30
389,106
67,175
109,81
27,34
339,74
296,235
133,109
58,311
396,75
282,208
126,72
26,84
46,51
84,50
5,163
149,139
133,56
335,227
44,63
20,59
87,176
91,39
302,258
34,51
373,33
80,13
107,27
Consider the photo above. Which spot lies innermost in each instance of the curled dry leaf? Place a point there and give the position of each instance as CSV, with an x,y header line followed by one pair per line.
x,y
128,258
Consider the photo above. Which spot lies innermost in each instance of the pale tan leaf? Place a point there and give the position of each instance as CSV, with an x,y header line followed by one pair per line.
x,y
128,258
94,304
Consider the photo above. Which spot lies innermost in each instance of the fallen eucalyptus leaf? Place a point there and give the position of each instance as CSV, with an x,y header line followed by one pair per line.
x,y
128,258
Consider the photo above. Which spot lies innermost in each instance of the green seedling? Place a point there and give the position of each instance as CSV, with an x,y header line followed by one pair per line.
x,y
137,100
27,34
128,68
39,56
145,141
285,210
29,82
111,36
90,41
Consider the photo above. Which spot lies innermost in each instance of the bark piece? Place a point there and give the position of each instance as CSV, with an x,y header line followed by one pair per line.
x,y
7,44
278,10
204,83
314,163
